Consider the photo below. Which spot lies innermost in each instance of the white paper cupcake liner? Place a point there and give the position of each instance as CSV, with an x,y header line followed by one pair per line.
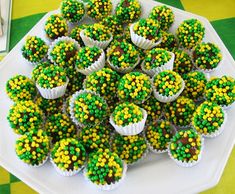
x,y
226,107
39,165
141,41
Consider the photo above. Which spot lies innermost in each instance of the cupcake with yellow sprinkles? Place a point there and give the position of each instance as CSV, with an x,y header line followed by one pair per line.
x,y
168,41
75,33
68,156
37,70
33,147
113,23
25,116
186,148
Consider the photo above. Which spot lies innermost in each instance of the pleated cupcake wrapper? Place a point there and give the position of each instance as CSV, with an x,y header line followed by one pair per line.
x,y
132,129
141,41
97,65
107,187
140,159
64,108
39,165
178,127
226,107
166,66
91,42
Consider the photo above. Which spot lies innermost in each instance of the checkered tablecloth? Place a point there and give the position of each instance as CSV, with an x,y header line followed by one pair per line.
x,y
221,13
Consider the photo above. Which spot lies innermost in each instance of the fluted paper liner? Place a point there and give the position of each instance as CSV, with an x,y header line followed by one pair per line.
x,y
39,165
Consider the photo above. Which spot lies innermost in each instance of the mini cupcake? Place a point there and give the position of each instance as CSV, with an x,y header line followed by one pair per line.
x,y
113,23
75,33
206,56
157,60
158,136
167,86
25,116
168,42
33,147
145,33
128,119
20,87
34,49
164,15
37,70
99,9
135,87
186,148
68,156
180,111
190,32
55,27
89,60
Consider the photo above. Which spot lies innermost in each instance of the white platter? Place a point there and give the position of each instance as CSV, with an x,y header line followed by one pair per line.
x,y
155,174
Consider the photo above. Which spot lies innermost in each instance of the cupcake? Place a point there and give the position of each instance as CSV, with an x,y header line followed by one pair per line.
x,y
164,15
20,88
168,42
99,9
68,156
167,86
89,60
135,87
128,10
34,50
209,119
113,24
190,32
128,119
180,111
206,56
145,33
55,27
158,136
75,33
33,147
25,116
72,10
186,148
129,148
37,70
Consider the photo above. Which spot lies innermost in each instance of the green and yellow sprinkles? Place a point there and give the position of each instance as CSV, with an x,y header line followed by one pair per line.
x,y
37,70
97,32
75,33
168,41
113,23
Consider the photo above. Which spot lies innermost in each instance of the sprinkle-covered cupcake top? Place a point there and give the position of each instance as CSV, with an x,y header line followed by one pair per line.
x,y
33,147
148,28
180,111
34,49
208,118
51,77
37,70
206,55
75,33
25,116
164,15
167,82
168,41
129,148
98,32
113,23
104,167
190,32
134,86
56,26
99,9
126,114
72,10
68,154
20,88
186,145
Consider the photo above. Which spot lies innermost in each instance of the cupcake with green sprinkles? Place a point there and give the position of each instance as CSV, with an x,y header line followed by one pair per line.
x,y
206,56
128,11
105,170
20,87
128,118
146,33
209,119
25,116
123,57
190,32
113,23
33,147
37,70
158,136
134,87
52,82
34,50
68,156
55,27
72,10
168,41
157,60
75,33
180,111
99,9
89,60
167,86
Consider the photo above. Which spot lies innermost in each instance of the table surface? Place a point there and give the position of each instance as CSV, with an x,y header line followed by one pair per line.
x,y
26,13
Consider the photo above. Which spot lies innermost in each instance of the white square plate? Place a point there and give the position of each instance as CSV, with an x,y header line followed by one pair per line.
x,y
156,173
